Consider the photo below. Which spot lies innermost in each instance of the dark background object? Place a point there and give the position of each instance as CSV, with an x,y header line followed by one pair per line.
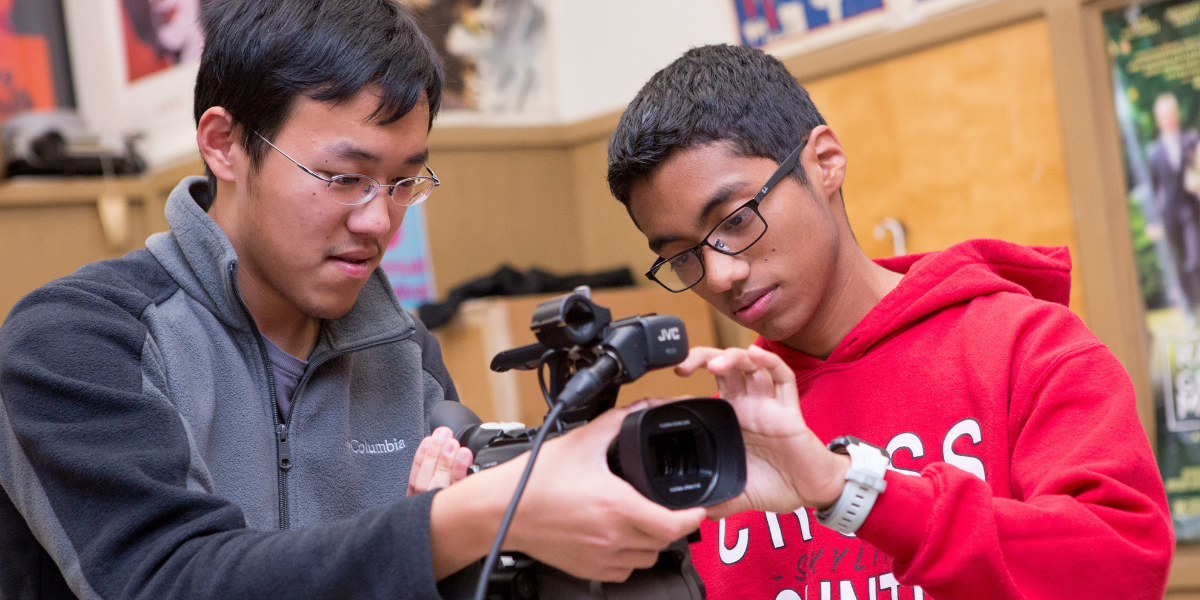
x,y
507,281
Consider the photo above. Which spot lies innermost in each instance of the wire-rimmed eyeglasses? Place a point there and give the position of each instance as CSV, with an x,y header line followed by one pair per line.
x,y
735,234
354,189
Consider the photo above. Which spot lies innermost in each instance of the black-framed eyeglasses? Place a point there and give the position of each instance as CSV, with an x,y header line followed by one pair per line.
x,y
353,189
734,235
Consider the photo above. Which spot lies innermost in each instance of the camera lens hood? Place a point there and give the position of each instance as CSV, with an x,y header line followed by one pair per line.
x,y
682,454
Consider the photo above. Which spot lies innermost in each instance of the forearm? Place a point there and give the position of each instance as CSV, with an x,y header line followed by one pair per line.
x,y
952,537
465,518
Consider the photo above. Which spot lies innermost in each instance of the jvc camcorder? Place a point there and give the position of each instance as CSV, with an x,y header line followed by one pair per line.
x,y
682,454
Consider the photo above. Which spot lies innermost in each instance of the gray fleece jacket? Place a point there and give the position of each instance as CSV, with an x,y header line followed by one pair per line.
x,y
142,454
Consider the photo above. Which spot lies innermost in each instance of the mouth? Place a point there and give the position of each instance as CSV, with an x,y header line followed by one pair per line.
x,y
750,306
356,263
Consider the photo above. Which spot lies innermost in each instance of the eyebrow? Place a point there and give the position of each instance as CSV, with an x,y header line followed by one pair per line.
x,y
717,199
350,151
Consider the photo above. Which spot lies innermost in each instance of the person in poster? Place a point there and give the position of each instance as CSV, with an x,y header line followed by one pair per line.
x,y
164,33
1155,52
1179,206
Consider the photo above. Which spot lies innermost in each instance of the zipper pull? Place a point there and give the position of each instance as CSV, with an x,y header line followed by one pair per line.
x,y
285,450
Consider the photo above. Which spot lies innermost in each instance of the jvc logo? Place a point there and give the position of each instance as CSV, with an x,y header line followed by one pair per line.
x,y
668,334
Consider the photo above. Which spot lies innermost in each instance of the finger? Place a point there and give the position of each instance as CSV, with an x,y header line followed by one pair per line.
x,y
462,461
728,507
697,357
757,381
664,525
780,372
730,379
433,453
445,465
418,460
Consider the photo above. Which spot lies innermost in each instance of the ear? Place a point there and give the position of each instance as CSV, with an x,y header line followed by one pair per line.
x,y
215,137
824,161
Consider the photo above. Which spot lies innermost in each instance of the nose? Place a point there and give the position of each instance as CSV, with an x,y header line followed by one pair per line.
x,y
375,217
721,271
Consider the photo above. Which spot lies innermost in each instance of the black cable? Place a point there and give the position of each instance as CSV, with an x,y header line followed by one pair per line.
x,y
494,555
542,378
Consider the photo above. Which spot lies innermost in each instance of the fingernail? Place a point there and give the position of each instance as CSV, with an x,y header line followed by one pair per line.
x,y
441,434
639,405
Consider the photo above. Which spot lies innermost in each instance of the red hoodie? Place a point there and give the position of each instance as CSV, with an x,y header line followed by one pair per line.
x,y
1020,467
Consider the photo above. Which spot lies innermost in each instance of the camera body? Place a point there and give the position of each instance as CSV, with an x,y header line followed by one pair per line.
x,y
681,454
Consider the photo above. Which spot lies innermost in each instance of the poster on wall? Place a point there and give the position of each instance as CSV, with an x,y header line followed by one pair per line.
x,y
1155,59
495,52
160,34
761,22
406,261
34,72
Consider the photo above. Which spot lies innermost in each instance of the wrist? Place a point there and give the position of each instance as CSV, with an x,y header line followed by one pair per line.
x,y
465,518
865,481
835,482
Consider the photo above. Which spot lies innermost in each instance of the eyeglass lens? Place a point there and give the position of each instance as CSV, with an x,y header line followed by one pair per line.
x,y
357,189
734,234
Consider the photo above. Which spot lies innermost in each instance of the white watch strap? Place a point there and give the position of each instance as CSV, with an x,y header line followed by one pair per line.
x,y
864,482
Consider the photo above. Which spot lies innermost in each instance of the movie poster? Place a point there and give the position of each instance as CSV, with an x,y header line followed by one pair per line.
x,y
763,21
160,34
1155,51
33,59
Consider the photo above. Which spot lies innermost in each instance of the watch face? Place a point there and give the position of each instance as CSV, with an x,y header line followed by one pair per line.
x,y
838,444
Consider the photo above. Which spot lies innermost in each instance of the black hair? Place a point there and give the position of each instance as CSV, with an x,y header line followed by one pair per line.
x,y
711,94
260,55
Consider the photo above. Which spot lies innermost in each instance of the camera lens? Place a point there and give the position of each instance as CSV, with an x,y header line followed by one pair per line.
x,y
673,454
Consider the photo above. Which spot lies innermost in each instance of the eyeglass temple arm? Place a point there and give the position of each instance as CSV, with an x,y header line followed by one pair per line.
x,y
785,168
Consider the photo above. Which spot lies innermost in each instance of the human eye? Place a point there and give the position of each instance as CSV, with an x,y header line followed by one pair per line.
x,y
738,220
347,180
682,261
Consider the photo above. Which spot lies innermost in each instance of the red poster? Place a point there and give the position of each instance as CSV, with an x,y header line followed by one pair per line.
x,y
160,34
26,81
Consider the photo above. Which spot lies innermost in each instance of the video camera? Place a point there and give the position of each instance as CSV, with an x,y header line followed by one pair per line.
x,y
682,454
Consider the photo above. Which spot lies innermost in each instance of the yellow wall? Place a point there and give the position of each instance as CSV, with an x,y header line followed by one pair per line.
x,y
957,142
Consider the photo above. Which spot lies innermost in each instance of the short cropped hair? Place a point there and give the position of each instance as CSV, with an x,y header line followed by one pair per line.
x,y
260,55
718,93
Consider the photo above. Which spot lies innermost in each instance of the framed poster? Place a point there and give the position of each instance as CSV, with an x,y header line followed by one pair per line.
x,y
1154,51
34,69
129,84
160,34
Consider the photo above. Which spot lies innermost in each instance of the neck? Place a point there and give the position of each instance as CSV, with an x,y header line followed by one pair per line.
x,y
277,319
858,285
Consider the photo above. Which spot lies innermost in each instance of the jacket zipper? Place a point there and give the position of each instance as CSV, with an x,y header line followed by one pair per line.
x,y
283,450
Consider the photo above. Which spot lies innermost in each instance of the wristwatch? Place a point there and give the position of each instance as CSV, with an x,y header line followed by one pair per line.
x,y
864,483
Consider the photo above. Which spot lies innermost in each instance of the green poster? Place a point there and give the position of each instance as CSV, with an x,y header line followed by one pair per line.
x,y
1155,51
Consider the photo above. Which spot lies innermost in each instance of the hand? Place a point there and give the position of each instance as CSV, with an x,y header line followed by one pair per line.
x,y
438,462
579,517
787,465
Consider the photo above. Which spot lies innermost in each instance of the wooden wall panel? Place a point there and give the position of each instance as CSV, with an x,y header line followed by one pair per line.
x,y
40,244
608,236
959,141
508,205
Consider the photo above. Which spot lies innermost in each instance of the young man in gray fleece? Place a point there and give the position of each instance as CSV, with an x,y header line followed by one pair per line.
x,y
233,411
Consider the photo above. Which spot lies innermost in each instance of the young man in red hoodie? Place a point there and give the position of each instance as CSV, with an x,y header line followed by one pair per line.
x,y
1018,467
